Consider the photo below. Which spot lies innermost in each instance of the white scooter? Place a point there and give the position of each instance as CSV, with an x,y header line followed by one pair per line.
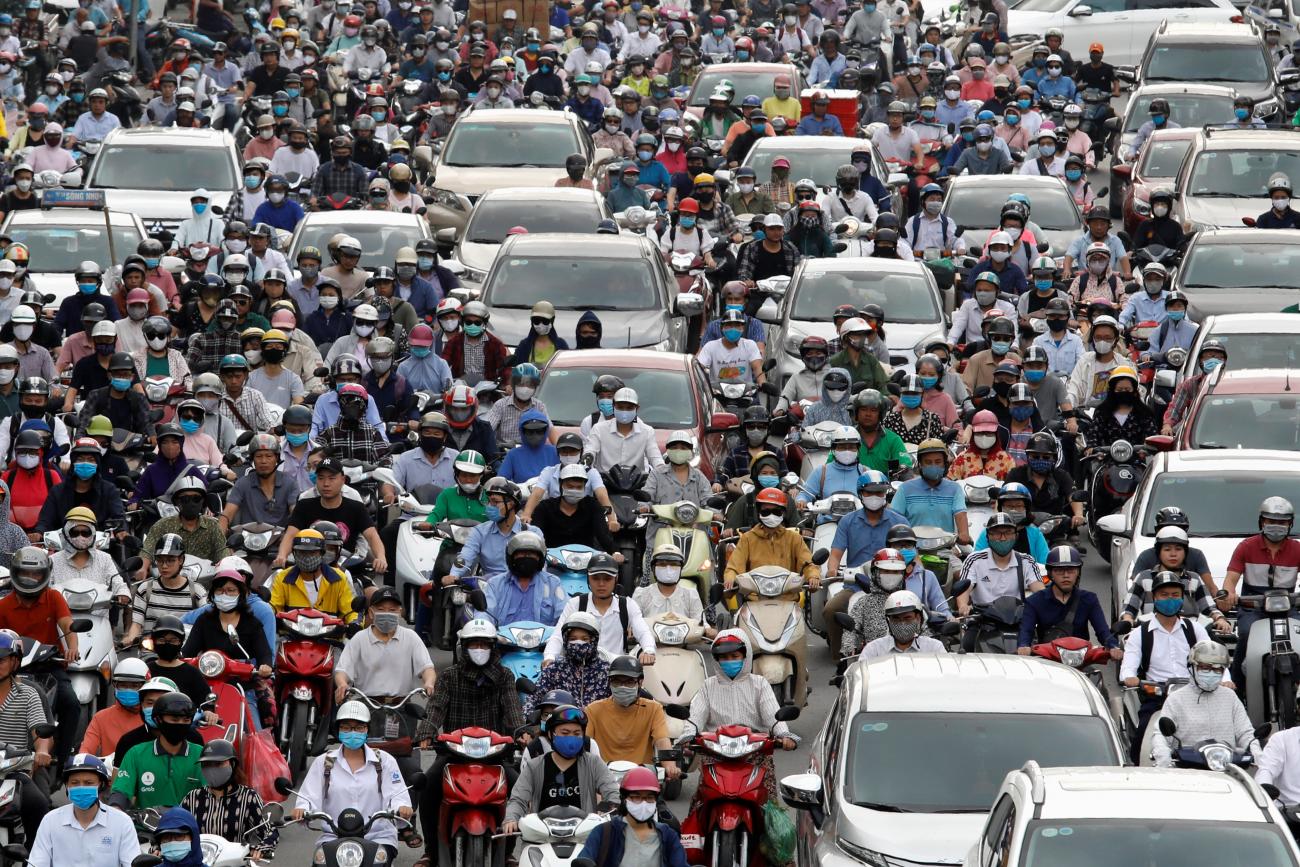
x,y
835,507
91,670
816,444
678,673
770,615
220,852
555,836
981,501
418,544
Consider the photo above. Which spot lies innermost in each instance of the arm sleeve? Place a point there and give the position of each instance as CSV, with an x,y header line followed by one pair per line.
x,y
1132,654
640,629
521,801
42,854
1269,763
555,644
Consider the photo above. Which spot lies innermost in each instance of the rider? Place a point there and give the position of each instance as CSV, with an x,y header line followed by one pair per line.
x,y
1208,712
999,571
160,772
1064,608
1160,228
635,836
931,499
570,774
1281,215
1269,560
1171,552
225,805
309,583
885,576
904,620
627,726
524,590
620,617
1211,354
839,474
1015,500
107,726
64,834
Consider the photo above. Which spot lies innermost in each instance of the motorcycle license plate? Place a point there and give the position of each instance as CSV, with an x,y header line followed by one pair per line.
x,y
392,727
458,597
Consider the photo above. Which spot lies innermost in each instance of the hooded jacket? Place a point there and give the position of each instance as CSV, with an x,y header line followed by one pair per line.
x,y
746,700
827,409
28,490
524,351
523,462
177,819
158,477
472,695
12,536
592,318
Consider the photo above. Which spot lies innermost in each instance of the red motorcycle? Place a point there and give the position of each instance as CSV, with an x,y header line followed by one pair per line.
x,y
224,676
1091,659
474,793
304,669
725,830
164,395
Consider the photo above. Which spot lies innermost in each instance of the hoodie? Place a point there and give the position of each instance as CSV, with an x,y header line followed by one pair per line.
x,y
523,462
12,536
176,819
747,700
578,342
524,351
158,477
828,410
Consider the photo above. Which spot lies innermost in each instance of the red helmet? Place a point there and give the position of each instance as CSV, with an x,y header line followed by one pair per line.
x,y
461,406
352,21
181,44
744,43
640,780
771,497
889,560
375,90
516,230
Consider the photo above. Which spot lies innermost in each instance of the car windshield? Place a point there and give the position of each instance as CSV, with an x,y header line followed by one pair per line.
x,y
1219,503
1153,843
163,169
665,395
379,243
1240,421
589,284
746,83
1040,5
893,765
493,218
510,145
1230,266
819,165
1205,61
60,249
1185,109
1266,351
973,206
1161,159
907,297
1240,173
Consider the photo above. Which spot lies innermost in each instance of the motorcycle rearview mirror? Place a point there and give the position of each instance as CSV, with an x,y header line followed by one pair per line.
x,y
821,555
275,813
790,480
1261,732
135,564
1122,627
1079,497
1101,194
960,586
82,624
788,713
144,860
1271,790
583,862
715,594
244,438
418,782
951,628
769,387
677,711
844,620
359,604
44,730
525,685
1043,246
1167,727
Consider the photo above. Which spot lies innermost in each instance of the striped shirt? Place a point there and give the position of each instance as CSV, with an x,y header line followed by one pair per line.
x,y
158,601
20,712
230,815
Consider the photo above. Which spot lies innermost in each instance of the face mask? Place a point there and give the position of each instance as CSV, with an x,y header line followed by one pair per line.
x,y
1073,174
606,407
199,208
479,655
668,574
624,695
873,503
933,206
85,471
1101,347
1098,267
927,114
1168,607
932,472
1012,119
1275,532
1023,413
22,332
679,456
903,631
999,256
363,330
766,480
835,395
1000,347
127,697
911,401
352,740
732,334
1002,547
174,850
473,330
687,222
1158,119
1281,204
731,667
952,95
88,289
387,621
1209,364
846,456
568,746
28,461
771,521
572,497
625,416
83,796
226,601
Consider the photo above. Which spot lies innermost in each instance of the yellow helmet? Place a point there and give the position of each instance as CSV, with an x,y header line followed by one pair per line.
x,y
80,514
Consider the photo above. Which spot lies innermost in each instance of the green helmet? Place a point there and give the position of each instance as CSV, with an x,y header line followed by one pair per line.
x,y
470,461
872,398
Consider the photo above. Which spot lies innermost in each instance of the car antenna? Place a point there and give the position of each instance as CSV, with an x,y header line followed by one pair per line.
x,y
1288,380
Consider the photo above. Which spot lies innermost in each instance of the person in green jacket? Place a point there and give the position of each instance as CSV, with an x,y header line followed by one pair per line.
x,y
809,235
854,356
158,773
881,449
466,500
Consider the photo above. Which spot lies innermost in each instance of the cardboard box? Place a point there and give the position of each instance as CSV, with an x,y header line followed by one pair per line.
x,y
532,13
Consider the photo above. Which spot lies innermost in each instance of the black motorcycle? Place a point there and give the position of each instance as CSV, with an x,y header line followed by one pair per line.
x,y
992,628
1111,475
625,486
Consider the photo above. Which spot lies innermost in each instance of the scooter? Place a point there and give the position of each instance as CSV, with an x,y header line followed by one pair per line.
x,y
349,846
452,536
1272,662
816,444
626,488
677,675
419,546
569,564
91,671
257,543
725,831
834,507
993,628
522,644
554,837
1118,470
940,553
771,618
220,852
227,699
304,667
1087,657
15,763
687,527
980,493
1133,698
1209,754
474,792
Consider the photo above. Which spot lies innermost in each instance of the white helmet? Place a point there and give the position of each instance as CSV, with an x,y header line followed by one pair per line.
x,y
478,628
353,710
131,669
903,601
856,323
581,620
627,395
235,260
1000,238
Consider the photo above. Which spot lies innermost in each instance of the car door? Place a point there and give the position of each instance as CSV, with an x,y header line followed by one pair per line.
x,y
995,842
1104,21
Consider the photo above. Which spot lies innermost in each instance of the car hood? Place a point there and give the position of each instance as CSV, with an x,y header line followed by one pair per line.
x,y
1031,22
1221,213
58,283
924,838
902,337
1252,299
645,327
154,205
477,181
1060,239
477,256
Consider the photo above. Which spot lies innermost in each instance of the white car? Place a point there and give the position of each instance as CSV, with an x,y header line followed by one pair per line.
x,y
1071,817
381,233
1253,340
1122,26
913,751
60,239
1219,489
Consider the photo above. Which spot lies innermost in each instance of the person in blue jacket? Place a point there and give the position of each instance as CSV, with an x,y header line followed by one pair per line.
x,y
1015,499
177,826
1063,608
278,210
608,844
534,452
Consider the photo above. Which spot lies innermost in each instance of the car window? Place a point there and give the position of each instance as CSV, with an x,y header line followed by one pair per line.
x,y
819,165
746,83
60,249
1161,842
494,217
1099,6
997,821
1235,421
1240,173
163,168
1185,109
1046,5
974,206
569,284
379,244
1233,266
1219,504
907,297
1269,350
478,144
666,401
1161,159
1206,61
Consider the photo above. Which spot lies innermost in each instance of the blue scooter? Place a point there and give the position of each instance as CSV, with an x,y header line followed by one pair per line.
x,y
522,645
569,564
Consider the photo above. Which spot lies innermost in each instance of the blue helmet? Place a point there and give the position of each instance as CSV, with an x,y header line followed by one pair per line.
x,y
1064,555
233,361
1014,491
6,20
88,762
873,479
751,101
526,372
931,188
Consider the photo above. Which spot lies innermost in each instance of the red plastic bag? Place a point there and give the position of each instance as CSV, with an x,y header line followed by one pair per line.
x,y
263,763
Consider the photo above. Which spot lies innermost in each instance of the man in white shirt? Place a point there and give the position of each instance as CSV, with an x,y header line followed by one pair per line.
x,y
615,615
685,236
898,142
732,357
85,832
999,570
905,618
1279,764
623,439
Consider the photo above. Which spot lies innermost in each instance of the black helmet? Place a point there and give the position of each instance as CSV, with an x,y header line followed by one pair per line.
x,y
502,487
575,161
1172,516
606,382
755,414
1002,326
29,439
175,704
296,414
899,533
626,666
168,624
170,545
1159,105
33,385
1041,443
219,750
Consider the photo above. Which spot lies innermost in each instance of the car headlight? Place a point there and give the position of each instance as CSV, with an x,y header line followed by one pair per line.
x,y
473,275
446,198
866,856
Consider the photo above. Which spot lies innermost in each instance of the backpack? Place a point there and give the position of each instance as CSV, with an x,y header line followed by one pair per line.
x,y
945,226
331,758
622,612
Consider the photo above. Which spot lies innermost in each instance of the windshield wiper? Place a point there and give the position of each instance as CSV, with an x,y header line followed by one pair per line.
x,y
1210,446
484,241
1221,195
1203,286
599,307
882,808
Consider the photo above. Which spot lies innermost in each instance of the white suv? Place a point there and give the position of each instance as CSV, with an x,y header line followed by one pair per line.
x,y
1123,27
1084,817
914,749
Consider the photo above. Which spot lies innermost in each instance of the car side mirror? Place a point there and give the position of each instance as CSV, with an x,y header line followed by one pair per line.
x,y
1115,524
722,422
1081,11
1160,442
820,556
769,312
1166,378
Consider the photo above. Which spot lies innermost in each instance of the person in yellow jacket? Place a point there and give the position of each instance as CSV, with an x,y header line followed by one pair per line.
x,y
309,583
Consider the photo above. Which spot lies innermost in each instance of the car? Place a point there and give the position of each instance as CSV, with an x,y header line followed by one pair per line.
x,y
1123,26
974,203
1219,489
621,278
152,171
381,233
1243,409
749,79
673,389
487,150
1156,167
571,210
60,238
1223,181
1240,270
1217,52
1253,340
1073,816
816,157
916,745
906,290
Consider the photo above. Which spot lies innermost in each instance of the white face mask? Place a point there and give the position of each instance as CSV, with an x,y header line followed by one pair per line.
x,y
1160,210
265,134
7,376
984,441
543,329
276,198
999,256
157,343
23,332
364,330
25,184
225,601
846,456
745,188
28,461
952,94
771,521
328,302
565,460
1103,346
873,503
479,655
524,393
642,811
668,574
836,394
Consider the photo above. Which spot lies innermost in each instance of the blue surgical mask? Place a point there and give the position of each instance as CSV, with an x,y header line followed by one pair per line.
x,y
606,407
909,554
645,156
758,128
768,481
1158,119
1073,174
1022,413
297,439
175,850
379,116
1000,347
1042,466
1176,315
927,113
1047,150
446,76
151,263
911,401
932,472
1169,607
78,96
83,796
87,288
1012,119
968,137
120,384
199,208
686,222
127,697
493,513
868,8
474,330
567,745
279,110
742,55
1209,364
534,47
85,471
424,263
929,381
731,667
421,351
251,181
293,93
189,425
1035,375
625,416
719,32
311,476
1023,103
352,740
732,334
147,715
1043,285
1242,113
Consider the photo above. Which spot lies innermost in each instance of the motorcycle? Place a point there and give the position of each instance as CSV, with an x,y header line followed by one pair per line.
x,y
91,671
771,618
220,852
1272,661
688,527
555,836
474,793
15,763
258,544
980,492
419,550
163,394
349,847
992,628
1209,754
1133,698
724,831
1089,658
225,676
1096,109
833,508
304,667
678,673
940,553
815,441
522,645
569,564
626,489
1118,470
454,598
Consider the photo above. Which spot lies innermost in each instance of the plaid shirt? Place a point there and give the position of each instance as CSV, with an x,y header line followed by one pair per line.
x,y
504,418
362,443
467,695
749,254
206,541
782,192
207,348
330,179
177,369
474,361
230,815
247,409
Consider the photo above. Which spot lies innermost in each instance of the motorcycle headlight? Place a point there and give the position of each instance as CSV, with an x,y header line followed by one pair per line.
x,y
476,748
1121,451
527,639
1277,604
770,585
733,748
349,854
1217,756
672,634
211,848
310,626
1072,658
156,391
562,827
686,513
576,561
211,664
733,390
257,541
80,601
446,198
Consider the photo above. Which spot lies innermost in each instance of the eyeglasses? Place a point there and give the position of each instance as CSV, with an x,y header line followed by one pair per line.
x,y
180,501
467,321
79,532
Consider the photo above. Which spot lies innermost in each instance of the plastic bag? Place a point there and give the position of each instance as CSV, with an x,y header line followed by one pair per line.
x,y
777,845
263,763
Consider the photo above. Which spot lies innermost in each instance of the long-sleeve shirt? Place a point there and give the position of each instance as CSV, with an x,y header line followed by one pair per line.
x,y
508,602
1279,764
611,627
1044,611
377,785
781,546
1201,716
486,548
1142,307
611,447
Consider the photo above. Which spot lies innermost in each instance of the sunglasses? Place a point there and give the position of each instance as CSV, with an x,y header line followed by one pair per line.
x,y
540,320
182,500
242,302
771,511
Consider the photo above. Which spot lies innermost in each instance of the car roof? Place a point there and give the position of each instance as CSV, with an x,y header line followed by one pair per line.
x,y
811,143
154,135
1013,183
1252,323
552,194
1214,461
564,244
972,683
1183,132
1140,793
520,115
55,217
1244,235
755,66
1255,381
1266,139
865,263
620,359
1200,30
1173,88
367,218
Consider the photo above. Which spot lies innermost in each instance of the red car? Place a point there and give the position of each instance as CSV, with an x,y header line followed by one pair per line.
x,y
1156,167
1244,409
673,389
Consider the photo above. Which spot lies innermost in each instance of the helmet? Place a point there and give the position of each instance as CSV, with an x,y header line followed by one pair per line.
x,y
30,559
888,560
1042,443
479,627
1172,516
355,711
461,405
1112,322
1014,491
526,541
1171,536
903,602
131,669
173,704
1207,653
1165,578
870,397
873,480
932,446
1279,182
470,461
583,620
88,762
1064,555
640,780
626,666
170,545
504,488
168,624
1000,519
729,642
1159,105
1121,372
218,750
1277,509
846,434
525,373
566,714
555,698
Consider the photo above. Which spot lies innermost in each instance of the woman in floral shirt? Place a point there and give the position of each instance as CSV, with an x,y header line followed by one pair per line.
x,y
985,455
911,421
